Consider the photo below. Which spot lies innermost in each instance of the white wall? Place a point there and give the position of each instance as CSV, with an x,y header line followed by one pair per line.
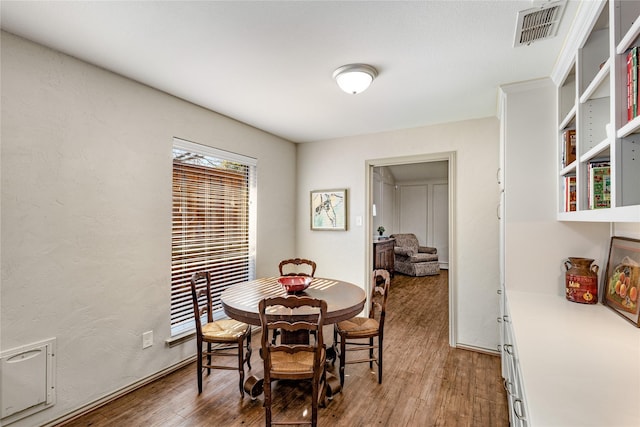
x,y
86,214
340,163
536,244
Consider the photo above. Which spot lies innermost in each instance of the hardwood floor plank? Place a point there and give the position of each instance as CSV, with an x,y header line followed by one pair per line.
x,y
425,382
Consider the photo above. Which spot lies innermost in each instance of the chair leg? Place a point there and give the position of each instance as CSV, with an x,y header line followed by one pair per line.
x,y
249,349
343,360
208,358
314,401
241,364
335,345
380,359
199,367
323,388
267,401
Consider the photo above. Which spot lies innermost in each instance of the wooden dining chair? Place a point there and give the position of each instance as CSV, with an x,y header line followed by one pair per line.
x,y
220,336
294,361
297,267
294,267
351,332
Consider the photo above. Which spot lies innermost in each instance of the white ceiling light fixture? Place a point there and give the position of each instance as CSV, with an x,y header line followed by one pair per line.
x,y
355,78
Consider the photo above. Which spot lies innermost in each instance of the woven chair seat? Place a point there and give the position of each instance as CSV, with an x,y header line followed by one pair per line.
x,y
371,327
224,330
289,363
356,326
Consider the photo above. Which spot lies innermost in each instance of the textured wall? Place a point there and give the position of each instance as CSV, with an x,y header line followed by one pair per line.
x,y
86,215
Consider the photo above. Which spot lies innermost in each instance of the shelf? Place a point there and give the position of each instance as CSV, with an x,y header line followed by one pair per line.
x,y
595,151
569,169
611,27
596,88
568,119
629,38
621,214
632,127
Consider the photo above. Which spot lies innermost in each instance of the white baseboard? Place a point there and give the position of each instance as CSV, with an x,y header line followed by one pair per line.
x,y
478,349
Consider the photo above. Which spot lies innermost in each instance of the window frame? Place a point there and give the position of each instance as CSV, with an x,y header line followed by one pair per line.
x,y
181,311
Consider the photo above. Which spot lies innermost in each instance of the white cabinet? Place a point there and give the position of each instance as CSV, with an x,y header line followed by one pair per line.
x,y
577,363
511,373
592,102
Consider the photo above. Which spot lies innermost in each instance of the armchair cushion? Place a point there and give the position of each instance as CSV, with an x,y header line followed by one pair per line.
x,y
427,250
404,251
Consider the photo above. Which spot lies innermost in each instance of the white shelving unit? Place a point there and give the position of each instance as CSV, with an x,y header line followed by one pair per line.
x,y
592,99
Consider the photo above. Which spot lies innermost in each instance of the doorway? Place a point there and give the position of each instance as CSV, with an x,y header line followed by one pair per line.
x,y
428,179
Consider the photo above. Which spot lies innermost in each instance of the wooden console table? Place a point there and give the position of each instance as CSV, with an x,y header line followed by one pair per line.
x,y
383,254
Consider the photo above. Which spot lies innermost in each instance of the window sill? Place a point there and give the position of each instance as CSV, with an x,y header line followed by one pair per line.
x,y
180,339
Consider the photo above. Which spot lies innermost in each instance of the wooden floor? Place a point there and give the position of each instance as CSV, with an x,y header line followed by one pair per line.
x,y
425,383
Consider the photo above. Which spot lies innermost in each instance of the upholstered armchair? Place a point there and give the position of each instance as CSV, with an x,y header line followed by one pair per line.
x,y
412,259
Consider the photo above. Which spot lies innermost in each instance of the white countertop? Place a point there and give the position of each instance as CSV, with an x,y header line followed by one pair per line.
x,y
580,364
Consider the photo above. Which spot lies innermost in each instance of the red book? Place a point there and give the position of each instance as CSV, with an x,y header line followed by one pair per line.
x,y
634,77
629,85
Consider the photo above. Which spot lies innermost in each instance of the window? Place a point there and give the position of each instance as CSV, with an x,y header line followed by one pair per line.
x,y
213,225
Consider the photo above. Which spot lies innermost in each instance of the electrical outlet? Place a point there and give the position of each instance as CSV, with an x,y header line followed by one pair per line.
x,y
147,339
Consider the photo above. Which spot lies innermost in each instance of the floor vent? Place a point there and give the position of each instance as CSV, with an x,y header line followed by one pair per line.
x,y
27,380
538,23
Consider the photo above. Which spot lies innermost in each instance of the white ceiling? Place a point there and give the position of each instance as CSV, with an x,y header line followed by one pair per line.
x,y
270,63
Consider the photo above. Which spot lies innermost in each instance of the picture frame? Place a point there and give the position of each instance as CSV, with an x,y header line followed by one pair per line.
x,y
329,210
621,283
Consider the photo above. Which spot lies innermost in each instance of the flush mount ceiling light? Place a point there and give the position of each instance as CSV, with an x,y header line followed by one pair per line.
x,y
355,78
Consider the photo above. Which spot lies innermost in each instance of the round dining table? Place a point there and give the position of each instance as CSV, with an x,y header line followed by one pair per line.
x,y
344,300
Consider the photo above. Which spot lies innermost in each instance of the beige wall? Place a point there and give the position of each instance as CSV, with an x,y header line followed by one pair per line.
x,y
86,211
340,163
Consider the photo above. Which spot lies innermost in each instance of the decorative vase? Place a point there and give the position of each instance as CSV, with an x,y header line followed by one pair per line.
x,y
581,280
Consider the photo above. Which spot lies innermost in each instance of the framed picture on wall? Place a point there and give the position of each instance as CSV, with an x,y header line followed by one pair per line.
x,y
329,210
622,278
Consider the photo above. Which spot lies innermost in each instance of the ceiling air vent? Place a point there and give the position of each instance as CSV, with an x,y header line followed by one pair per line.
x,y
538,23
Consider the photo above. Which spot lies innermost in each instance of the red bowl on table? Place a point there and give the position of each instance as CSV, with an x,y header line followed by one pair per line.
x,y
293,284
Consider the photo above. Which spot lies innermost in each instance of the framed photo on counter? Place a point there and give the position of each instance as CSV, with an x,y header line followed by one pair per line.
x,y
622,278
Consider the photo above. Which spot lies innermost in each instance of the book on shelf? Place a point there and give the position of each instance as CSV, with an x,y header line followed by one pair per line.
x,y
599,183
632,83
570,195
568,147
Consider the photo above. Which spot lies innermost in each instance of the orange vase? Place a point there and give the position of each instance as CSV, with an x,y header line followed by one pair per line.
x,y
581,280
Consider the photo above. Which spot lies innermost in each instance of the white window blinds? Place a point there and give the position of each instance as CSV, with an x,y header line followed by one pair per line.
x,y
213,224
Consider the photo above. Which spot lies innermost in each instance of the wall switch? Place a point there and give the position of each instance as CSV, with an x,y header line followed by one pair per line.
x,y
359,221
147,339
